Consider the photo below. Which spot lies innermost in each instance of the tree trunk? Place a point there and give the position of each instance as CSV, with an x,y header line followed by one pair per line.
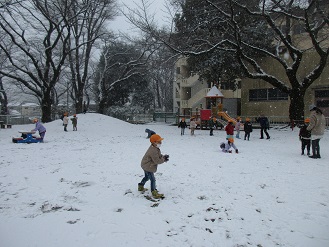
x,y
79,104
46,108
296,108
101,106
3,99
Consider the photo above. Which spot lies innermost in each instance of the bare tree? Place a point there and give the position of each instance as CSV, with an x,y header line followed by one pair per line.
x,y
161,74
222,26
36,44
88,25
3,99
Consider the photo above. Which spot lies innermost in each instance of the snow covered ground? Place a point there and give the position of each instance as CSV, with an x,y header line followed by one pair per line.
x,y
80,189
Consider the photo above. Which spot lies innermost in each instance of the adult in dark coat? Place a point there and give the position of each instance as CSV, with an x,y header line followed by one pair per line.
x,y
264,126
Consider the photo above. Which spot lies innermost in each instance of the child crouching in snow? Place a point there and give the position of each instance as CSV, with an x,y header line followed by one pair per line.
x,y
227,146
149,164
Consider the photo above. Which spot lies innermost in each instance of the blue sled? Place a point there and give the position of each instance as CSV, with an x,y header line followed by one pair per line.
x,y
29,139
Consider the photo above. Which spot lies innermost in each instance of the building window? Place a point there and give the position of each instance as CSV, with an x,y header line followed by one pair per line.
x,y
322,103
322,98
267,94
321,93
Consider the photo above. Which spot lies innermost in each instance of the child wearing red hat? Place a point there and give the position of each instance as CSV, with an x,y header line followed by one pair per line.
x,y
149,164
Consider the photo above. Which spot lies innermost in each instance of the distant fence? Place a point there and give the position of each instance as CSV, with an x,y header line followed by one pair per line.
x,y
138,118
167,117
15,119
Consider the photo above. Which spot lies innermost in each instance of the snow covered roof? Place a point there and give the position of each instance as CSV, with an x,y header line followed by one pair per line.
x,y
214,93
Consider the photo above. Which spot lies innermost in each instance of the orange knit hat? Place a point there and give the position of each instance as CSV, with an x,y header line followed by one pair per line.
x,y
155,138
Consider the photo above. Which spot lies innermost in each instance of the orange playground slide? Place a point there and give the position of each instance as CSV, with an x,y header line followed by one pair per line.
x,y
226,116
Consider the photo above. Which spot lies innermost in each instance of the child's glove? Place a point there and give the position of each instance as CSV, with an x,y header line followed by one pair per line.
x,y
166,157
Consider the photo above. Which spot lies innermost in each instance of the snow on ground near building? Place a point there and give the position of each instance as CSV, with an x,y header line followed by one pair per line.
x,y
80,189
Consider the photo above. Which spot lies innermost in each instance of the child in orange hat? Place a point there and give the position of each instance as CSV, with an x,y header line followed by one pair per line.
x,y
75,122
65,121
305,136
247,129
149,164
229,128
39,127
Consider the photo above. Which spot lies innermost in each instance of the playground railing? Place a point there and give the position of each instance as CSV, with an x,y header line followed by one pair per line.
x,y
15,119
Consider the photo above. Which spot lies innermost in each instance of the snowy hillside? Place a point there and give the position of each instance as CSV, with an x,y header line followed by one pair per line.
x,y
80,189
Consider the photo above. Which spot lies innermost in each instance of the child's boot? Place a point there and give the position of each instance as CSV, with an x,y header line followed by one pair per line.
x,y
156,195
237,151
141,188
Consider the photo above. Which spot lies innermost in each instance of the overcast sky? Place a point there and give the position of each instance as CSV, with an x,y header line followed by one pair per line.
x,y
156,7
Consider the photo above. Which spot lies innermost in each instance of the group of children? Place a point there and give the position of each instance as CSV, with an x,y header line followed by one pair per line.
x,y
182,124
42,130
66,121
153,156
229,128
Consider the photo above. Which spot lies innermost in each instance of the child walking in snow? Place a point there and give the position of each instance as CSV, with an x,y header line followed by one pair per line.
x,y
182,124
74,122
237,127
149,164
247,129
228,145
65,121
212,125
192,125
305,136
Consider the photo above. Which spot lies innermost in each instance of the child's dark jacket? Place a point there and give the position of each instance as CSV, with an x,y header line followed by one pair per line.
x,y
304,133
248,127
74,120
182,124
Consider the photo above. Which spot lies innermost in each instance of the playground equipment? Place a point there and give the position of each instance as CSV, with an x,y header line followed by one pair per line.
x,y
226,116
214,103
27,137
206,114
